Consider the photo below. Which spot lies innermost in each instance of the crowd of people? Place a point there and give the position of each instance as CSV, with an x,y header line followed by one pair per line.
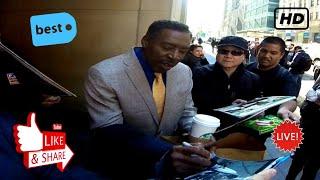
x,y
135,98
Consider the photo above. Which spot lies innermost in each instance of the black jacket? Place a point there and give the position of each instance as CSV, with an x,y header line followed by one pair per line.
x,y
18,92
194,62
276,81
212,88
302,62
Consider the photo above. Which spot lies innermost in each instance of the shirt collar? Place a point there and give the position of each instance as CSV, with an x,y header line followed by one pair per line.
x,y
143,61
148,71
274,69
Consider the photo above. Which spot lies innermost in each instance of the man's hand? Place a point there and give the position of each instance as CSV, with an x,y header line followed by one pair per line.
x,y
50,100
286,114
28,138
264,175
286,109
239,101
188,160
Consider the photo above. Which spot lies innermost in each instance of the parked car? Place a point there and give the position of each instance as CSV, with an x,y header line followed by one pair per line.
x,y
313,49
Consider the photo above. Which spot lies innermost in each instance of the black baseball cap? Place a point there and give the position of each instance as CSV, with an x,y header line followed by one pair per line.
x,y
236,41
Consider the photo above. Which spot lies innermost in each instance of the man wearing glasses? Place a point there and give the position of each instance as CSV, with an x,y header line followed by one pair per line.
x,y
217,85
227,81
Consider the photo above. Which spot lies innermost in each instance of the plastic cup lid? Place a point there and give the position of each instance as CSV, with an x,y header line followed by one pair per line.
x,y
207,120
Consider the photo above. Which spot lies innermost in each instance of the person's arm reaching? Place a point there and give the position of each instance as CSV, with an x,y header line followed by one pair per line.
x,y
263,175
50,100
189,160
290,88
126,145
286,110
130,145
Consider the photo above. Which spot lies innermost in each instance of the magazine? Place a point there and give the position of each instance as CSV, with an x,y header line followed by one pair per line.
x,y
48,84
233,169
264,124
256,105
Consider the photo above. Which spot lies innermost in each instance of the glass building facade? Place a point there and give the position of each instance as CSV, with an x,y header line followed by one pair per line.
x,y
259,15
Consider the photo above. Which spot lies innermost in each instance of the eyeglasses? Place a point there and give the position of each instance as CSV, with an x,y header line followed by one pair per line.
x,y
234,52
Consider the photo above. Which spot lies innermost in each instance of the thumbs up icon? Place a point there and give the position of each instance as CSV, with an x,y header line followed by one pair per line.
x,y
28,138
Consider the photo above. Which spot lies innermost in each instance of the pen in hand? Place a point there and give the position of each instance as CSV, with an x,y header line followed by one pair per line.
x,y
186,144
213,157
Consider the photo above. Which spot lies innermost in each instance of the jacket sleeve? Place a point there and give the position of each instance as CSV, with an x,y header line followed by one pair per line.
x,y
102,102
290,86
297,61
257,86
204,61
118,147
301,63
127,141
198,89
186,119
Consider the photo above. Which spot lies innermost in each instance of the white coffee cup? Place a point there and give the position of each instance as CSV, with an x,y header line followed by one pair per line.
x,y
203,125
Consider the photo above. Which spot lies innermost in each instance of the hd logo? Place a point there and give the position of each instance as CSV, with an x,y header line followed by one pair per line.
x,y
50,29
291,18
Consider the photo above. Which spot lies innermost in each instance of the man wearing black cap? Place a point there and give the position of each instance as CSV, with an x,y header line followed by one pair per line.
x,y
220,84
217,85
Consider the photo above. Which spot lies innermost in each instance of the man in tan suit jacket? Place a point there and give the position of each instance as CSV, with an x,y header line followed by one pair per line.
x,y
119,94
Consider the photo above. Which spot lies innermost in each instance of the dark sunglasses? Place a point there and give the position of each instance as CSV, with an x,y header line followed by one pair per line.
x,y
234,52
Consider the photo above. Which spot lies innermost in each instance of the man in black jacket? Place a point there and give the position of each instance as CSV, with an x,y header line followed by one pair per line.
x,y
219,84
275,79
195,58
224,82
300,63
307,157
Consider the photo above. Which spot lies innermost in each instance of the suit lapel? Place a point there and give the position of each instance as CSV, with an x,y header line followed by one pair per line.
x,y
138,78
170,92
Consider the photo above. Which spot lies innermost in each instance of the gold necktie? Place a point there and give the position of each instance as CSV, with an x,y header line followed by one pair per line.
x,y
159,93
